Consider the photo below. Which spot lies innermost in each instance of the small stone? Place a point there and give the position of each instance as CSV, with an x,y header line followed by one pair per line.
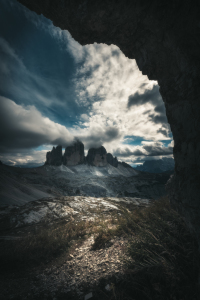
x,y
88,296
107,287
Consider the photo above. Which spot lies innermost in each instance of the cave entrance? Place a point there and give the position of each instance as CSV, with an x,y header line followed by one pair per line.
x,y
164,40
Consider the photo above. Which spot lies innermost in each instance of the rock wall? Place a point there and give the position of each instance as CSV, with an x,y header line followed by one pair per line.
x,y
54,157
112,160
74,154
97,157
164,38
125,165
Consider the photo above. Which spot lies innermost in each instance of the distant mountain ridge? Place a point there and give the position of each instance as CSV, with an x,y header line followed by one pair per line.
x,y
74,155
157,166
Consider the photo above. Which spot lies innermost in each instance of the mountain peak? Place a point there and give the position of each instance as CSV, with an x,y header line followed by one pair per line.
x,y
74,155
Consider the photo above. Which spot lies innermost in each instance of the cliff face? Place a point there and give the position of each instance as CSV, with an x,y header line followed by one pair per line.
x,y
74,154
112,160
164,38
54,157
97,157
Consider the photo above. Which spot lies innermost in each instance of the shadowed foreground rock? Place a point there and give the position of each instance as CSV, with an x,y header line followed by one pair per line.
x,y
164,38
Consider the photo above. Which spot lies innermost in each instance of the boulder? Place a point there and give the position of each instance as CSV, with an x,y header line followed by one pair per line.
x,y
112,160
54,157
74,154
97,157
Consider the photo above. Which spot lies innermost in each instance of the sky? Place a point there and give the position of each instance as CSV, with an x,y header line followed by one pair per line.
x,y
53,91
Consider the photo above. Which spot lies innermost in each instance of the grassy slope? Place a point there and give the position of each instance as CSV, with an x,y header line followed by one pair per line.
x,y
164,254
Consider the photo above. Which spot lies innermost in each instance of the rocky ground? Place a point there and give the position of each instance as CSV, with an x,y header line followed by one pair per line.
x,y
80,248
78,276
85,269
64,210
79,271
77,208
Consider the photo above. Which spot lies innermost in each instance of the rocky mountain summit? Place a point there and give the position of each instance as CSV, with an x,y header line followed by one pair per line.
x,y
74,155
54,157
157,166
97,157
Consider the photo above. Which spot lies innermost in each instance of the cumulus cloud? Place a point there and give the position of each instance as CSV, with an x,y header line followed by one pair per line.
x,y
128,151
103,99
158,115
105,81
147,148
98,136
144,96
26,157
25,127
156,149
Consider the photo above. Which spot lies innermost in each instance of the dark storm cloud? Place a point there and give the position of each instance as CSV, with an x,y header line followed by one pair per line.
x,y
145,150
98,137
154,150
127,152
163,130
150,96
35,67
25,127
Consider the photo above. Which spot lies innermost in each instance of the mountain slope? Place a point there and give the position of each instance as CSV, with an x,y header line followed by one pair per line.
x,y
157,166
19,186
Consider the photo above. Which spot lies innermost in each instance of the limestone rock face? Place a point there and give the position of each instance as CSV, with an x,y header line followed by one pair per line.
x,y
97,157
74,154
164,40
112,160
54,157
125,165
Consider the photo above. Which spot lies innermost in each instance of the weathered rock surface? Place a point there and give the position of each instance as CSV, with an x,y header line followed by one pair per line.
x,y
112,160
74,154
79,207
164,38
80,266
125,165
54,157
97,157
